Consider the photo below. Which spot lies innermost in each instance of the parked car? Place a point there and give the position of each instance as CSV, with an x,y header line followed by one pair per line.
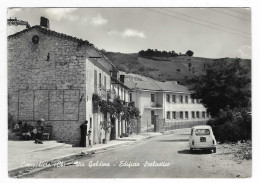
x,y
202,137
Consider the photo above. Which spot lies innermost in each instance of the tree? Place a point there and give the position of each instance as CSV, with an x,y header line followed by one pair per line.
x,y
226,84
189,53
189,66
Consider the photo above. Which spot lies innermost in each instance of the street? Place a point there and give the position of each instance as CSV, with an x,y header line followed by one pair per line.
x,y
165,156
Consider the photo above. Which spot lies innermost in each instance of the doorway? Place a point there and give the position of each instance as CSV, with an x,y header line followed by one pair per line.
x,y
113,129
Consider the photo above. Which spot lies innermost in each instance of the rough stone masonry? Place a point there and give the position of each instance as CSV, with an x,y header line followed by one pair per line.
x,y
47,79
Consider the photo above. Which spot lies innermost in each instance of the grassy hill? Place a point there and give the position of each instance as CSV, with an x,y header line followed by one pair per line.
x,y
166,69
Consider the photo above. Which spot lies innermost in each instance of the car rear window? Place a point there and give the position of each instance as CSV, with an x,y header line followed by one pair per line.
x,y
202,132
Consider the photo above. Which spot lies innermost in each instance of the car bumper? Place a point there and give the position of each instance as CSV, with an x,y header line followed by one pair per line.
x,y
203,146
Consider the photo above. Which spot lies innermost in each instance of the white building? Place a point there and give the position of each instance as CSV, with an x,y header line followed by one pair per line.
x,y
169,102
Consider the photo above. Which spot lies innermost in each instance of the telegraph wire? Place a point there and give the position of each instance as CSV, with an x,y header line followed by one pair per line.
x,y
197,23
221,12
205,21
232,9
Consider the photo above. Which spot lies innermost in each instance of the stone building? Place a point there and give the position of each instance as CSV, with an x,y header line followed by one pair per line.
x,y
53,76
167,102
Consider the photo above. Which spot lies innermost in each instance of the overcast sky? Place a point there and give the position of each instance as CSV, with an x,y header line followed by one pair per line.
x,y
208,32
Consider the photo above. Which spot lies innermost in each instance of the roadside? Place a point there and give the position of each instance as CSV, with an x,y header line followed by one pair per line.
x,y
26,156
166,156
231,159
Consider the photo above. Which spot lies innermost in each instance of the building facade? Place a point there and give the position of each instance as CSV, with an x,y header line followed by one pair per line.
x,y
54,76
168,102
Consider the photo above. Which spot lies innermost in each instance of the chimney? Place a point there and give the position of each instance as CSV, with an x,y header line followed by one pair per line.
x,y
122,78
45,22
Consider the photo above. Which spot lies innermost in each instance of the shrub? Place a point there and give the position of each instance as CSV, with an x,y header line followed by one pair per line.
x,y
232,125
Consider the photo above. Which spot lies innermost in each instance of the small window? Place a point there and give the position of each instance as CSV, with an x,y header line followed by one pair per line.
x,y
186,115
152,97
186,99
203,115
105,82
100,82
168,115
130,97
173,115
181,115
193,114
174,99
193,101
90,123
181,99
168,98
95,79
197,114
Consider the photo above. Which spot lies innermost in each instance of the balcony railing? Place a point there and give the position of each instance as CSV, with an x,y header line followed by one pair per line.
x,y
153,105
156,105
101,91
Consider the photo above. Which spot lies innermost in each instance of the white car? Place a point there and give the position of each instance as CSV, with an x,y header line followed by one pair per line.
x,y
202,137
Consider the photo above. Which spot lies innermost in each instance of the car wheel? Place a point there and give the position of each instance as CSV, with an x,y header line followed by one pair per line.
x,y
214,150
191,150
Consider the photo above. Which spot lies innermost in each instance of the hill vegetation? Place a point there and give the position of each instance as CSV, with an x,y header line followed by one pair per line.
x,y
181,68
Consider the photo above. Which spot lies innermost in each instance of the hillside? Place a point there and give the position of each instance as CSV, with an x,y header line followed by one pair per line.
x,y
166,69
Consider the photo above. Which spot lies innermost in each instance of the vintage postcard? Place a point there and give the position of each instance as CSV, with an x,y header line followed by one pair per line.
x,y
133,92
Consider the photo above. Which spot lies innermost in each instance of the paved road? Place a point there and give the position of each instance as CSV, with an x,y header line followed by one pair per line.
x,y
170,152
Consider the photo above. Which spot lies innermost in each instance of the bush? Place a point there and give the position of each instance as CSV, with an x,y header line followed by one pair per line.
x,y
232,125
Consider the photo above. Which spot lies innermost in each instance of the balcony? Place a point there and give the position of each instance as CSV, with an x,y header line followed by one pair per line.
x,y
101,91
112,94
153,105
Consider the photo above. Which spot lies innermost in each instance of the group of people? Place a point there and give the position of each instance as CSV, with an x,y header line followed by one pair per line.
x,y
27,132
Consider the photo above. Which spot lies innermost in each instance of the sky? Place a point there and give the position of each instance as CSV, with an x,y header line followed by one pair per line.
x,y
208,32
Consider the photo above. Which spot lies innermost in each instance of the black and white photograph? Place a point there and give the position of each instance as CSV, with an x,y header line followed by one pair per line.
x,y
129,92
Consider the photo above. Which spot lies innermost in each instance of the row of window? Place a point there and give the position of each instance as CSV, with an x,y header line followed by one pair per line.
x,y
176,99
180,99
185,114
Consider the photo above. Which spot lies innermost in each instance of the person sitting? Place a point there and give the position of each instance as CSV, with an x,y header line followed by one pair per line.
x,y
18,128
33,133
26,135
40,129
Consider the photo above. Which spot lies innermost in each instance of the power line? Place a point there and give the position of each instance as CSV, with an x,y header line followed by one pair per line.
x,y
197,23
221,12
205,21
232,9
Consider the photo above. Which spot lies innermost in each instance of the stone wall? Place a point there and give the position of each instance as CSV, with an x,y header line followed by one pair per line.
x,y
48,80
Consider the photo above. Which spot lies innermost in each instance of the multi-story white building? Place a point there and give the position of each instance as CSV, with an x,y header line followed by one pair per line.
x,y
169,102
